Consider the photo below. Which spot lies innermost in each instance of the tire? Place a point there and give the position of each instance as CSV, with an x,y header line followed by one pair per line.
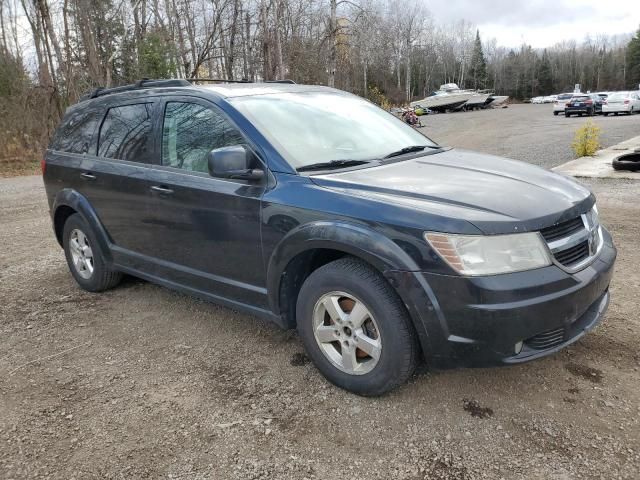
x,y
605,114
555,113
567,115
345,285
85,259
630,165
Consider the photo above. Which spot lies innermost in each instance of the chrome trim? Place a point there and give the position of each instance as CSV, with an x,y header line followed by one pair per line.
x,y
572,240
590,233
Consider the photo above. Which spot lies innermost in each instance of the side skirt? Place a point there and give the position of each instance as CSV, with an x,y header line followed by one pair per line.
x,y
206,296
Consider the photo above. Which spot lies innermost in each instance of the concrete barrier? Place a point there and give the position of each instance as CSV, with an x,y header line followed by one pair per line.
x,y
599,166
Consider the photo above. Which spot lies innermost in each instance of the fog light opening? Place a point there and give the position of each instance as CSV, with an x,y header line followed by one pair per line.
x,y
518,347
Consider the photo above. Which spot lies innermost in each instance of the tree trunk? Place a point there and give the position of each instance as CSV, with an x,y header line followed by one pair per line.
x,y
280,73
408,73
364,71
266,43
333,43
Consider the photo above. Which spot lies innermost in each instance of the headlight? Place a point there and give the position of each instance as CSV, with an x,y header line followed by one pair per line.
x,y
490,255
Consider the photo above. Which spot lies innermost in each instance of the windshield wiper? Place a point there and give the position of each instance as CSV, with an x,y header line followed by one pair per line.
x,y
411,149
332,164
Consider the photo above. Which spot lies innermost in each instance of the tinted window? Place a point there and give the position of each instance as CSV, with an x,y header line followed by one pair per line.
x,y
126,133
190,132
564,96
76,131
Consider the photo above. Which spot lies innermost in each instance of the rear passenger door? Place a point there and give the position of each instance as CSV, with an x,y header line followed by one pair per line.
x,y
206,231
116,178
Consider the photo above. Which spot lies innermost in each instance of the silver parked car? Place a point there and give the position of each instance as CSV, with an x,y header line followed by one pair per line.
x,y
622,102
561,102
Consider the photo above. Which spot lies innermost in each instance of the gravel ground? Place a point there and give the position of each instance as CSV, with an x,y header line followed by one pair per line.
x,y
142,382
525,132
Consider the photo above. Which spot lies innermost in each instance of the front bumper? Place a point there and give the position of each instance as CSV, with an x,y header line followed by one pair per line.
x,y
479,321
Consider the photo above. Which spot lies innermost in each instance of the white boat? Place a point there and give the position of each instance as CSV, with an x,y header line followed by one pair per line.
x,y
478,100
449,97
498,100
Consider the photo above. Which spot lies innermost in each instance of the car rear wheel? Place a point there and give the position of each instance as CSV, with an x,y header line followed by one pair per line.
x,y
606,114
567,115
555,113
85,258
355,328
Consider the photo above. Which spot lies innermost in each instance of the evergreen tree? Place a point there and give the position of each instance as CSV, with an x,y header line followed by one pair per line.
x,y
545,79
478,64
633,61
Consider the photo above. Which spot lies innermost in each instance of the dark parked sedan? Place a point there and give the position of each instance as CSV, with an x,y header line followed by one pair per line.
x,y
588,104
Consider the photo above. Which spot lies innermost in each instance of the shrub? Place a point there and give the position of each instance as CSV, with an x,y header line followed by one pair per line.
x,y
587,140
377,97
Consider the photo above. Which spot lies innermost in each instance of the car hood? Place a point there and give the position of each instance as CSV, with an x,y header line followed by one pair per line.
x,y
496,194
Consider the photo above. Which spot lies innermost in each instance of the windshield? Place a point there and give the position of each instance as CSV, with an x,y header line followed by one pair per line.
x,y
314,127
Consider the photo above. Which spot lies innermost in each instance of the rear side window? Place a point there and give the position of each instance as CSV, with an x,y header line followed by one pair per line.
x,y
76,131
125,133
564,96
191,131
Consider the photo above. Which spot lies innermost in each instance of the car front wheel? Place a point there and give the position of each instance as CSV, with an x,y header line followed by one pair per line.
x,y
85,258
355,328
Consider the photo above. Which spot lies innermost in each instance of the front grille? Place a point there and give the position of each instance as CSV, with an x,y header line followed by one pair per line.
x,y
563,229
573,242
548,339
573,255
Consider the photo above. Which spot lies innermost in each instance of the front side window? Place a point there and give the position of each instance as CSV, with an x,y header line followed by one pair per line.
x,y
312,127
190,131
76,132
126,133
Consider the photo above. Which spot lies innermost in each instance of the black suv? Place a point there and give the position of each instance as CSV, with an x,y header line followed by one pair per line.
x,y
315,209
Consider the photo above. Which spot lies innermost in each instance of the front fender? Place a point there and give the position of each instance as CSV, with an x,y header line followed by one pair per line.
x,y
71,198
352,239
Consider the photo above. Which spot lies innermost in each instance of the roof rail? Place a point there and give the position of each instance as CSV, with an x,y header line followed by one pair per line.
x,y
286,80
217,80
144,83
244,80
176,82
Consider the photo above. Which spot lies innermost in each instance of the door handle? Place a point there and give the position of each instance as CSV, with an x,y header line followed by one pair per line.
x,y
88,176
162,190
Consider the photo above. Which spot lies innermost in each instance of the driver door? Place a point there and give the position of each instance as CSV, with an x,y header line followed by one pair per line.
x,y
205,230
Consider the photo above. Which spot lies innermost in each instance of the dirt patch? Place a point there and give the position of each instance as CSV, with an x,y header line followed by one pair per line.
x,y
476,410
588,373
299,359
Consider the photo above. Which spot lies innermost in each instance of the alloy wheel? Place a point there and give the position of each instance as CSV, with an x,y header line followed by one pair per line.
x,y
81,253
347,333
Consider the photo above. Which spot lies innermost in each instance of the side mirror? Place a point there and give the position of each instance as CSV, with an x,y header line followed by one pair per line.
x,y
233,163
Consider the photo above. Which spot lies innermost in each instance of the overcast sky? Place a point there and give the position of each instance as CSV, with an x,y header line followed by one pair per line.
x,y
540,23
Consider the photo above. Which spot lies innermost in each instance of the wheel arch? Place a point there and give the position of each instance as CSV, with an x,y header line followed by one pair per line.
x,y
68,202
306,248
